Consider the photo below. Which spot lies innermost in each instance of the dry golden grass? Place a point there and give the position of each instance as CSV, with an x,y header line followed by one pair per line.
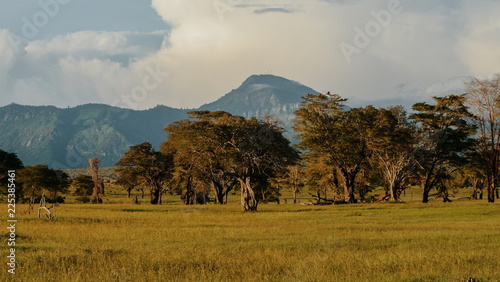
x,y
371,242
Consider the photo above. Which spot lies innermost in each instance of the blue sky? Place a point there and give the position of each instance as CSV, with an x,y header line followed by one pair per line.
x,y
139,53
78,15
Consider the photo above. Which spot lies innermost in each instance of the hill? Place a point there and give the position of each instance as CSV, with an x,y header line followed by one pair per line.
x,y
261,95
67,138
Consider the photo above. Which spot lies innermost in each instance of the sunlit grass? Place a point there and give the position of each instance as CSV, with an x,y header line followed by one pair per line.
x,y
370,242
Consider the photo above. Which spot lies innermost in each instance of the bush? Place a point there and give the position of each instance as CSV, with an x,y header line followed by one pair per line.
x,y
83,199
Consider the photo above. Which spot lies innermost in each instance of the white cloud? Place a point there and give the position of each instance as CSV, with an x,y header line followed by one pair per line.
x,y
478,44
83,67
212,48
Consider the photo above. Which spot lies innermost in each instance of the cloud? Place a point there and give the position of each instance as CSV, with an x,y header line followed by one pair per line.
x,y
420,45
479,41
82,67
273,10
122,47
214,45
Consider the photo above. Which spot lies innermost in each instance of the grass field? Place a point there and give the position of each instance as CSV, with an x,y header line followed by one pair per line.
x,y
365,242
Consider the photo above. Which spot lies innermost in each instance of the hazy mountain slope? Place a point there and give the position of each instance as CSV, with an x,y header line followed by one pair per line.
x,y
67,138
263,95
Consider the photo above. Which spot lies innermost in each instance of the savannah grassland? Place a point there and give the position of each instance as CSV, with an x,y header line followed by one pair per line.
x,y
122,241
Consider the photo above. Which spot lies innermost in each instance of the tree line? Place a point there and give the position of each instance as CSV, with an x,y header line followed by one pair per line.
x,y
456,138
347,150
35,182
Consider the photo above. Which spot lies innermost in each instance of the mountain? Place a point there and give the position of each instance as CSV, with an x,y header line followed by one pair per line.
x,y
262,95
67,138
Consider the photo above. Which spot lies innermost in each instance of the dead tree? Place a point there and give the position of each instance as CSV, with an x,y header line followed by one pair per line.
x,y
43,206
94,173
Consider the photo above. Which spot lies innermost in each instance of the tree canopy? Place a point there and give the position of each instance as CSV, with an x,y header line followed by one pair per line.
x,y
149,166
39,178
218,148
8,161
445,136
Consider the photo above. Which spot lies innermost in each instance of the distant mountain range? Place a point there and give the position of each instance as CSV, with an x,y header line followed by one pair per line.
x,y
67,138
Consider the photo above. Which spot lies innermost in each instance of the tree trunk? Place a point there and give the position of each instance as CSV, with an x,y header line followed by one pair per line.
x,y
427,186
396,191
474,187
491,185
155,195
349,178
425,198
491,189
98,187
218,192
294,195
129,191
392,191
248,199
492,177
491,193
219,187
190,197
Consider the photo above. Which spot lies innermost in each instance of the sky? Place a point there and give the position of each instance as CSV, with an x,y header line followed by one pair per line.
x,y
138,53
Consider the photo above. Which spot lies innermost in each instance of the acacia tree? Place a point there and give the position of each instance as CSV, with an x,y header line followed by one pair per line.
x,y
83,184
319,178
293,179
259,150
391,142
473,174
483,98
36,179
128,180
149,166
329,131
8,161
219,148
98,186
200,153
443,139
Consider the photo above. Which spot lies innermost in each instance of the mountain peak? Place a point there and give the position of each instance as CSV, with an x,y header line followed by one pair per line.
x,y
268,79
258,93
68,137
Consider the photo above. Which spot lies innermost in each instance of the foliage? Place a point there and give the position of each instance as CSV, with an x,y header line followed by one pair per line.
x,y
483,99
127,179
392,143
445,136
217,148
36,179
200,155
328,131
8,161
149,166
96,178
83,184
292,178
376,242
